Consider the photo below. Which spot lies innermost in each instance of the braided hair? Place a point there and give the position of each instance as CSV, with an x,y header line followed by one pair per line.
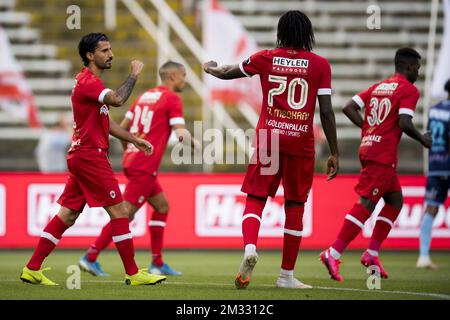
x,y
295,31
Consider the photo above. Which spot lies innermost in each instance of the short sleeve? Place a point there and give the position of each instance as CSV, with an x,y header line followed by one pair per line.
x,y
253,65
94,90
362,97
175,110
408,101
325,79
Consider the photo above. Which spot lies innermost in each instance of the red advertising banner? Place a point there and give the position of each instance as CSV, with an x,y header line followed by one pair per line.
x,y
206,211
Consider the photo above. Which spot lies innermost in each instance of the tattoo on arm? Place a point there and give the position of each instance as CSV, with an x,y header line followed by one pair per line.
x,y
126,88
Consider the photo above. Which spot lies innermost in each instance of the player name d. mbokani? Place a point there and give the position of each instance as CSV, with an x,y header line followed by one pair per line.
x,y
288,114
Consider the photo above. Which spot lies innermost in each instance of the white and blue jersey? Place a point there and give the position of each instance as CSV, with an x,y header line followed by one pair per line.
x,y
438,181
439,126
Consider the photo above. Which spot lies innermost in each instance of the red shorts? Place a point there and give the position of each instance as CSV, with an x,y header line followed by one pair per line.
x,y
296,171
91,180
377,179
140,187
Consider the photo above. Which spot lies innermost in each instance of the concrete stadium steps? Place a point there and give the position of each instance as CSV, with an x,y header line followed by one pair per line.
x,y
335,7
36,51
14,19
391,39
6,5
325,22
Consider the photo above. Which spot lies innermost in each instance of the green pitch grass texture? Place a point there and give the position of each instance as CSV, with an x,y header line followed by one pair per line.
x,y
210,275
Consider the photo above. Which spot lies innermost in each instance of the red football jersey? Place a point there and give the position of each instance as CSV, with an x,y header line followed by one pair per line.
x,y
383,103
290,81
152,116
90,114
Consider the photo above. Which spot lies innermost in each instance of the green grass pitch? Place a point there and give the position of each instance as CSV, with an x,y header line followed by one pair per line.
x,y
209,275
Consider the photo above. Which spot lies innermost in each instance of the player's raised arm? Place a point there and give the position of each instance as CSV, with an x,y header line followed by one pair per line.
x,y
117,131
407,126
226,72
119,97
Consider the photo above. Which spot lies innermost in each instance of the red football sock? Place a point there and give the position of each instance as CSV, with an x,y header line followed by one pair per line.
x,y
157,225
384,223
353,223
251,219
293,227
49,239
121,235
103,240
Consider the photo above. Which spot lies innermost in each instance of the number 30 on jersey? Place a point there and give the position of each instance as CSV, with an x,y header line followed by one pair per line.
x,y
379,111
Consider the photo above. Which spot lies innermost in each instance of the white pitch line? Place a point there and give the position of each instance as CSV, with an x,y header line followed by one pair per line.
x,y
411,293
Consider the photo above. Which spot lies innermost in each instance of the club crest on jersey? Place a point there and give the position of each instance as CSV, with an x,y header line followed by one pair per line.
x,y
104,110
290,66
112,194
141,199
375,191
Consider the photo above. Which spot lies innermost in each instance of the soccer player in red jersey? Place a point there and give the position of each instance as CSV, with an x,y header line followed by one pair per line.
x,y
152,117
91,179
389,108
292,79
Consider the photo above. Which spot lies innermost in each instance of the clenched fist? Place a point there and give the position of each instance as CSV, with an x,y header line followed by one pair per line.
x,y
136,67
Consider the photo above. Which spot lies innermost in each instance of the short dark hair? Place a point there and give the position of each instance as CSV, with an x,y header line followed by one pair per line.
x,y
447,86
405,56
295,31
164,69
89,43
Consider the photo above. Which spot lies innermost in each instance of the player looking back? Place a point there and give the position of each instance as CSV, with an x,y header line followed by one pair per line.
x,y
152,117
438,174
389,108
292,78
91,178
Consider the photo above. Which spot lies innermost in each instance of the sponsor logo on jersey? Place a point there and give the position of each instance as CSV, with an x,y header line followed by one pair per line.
x,y
104,110
150,97
42,206
219,210
290,66
408,222
369,140
385,89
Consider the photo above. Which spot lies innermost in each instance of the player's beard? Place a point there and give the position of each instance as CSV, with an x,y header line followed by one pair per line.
x,y
106,65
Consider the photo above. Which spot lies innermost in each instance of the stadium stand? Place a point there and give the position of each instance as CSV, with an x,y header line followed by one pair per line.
x,y
359,57
50,68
